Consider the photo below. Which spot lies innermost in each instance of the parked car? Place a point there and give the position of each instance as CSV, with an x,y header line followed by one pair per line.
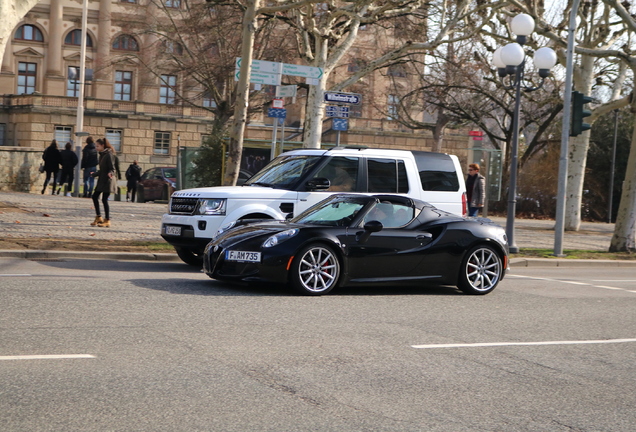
x,y
353,239
157,184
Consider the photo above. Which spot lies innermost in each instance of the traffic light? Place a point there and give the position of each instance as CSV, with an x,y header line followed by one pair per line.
x,y
579,112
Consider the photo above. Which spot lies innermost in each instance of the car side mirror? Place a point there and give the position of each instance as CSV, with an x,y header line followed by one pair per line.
x,y
373,226
369,228
318,183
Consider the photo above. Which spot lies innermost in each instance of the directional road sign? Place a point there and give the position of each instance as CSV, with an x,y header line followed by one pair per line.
x,y
343,98
340,124
263,66
260,77
277,112
302,71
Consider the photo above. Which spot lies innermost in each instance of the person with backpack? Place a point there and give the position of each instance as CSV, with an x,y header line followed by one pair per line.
x,y
133,175
69,161
89,165
52,160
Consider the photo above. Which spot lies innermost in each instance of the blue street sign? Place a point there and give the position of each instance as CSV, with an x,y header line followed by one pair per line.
x,y
343,98
277,112
337,111
340,124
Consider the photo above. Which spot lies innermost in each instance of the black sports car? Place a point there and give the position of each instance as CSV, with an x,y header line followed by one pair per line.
x,y
359,239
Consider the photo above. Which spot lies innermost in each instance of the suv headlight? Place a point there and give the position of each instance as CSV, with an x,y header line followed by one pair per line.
x,y
214,206
280,237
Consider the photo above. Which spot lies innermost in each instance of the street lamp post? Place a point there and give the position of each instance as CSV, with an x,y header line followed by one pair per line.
x,y
511,60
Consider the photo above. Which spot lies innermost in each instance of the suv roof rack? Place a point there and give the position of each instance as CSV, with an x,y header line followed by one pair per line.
x,y
353,147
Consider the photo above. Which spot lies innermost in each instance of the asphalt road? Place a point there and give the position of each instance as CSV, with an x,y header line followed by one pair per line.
x,y
164,348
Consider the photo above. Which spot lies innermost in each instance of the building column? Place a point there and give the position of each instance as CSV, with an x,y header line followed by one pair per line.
x,y
54,54
102,87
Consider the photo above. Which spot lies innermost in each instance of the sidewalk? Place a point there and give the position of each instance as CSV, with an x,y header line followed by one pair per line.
x,y
24,215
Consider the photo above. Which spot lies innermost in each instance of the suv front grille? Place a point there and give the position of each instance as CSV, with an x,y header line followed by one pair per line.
x,y
183,206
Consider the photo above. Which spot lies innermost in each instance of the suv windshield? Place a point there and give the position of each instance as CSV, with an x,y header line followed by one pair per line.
x,y
284,172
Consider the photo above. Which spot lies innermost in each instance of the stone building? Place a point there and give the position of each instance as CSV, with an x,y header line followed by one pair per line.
x,y
137,110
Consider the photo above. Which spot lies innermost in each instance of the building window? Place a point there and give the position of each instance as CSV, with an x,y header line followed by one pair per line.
x,y
355,65
173,4
63,135
29,33
208,101
162,143
123,85
128,1
392,107
3,132
27,73
172,47
125,43
167,92
73,83
397,71
114,138
75,38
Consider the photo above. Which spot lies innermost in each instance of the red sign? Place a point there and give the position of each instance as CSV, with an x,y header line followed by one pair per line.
x,y
278,103
475,133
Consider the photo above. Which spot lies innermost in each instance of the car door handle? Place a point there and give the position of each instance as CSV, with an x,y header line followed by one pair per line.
x,y
425,236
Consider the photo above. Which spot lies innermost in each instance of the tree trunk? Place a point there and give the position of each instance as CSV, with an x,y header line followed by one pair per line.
x,y
578,147
11,13
235,147
624,238
315,99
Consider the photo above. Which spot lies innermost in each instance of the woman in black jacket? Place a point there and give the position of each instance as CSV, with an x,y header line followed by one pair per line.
x,y
52,160
106,181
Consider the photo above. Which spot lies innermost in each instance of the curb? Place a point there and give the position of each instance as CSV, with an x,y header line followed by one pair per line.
x,y
120,256
548,262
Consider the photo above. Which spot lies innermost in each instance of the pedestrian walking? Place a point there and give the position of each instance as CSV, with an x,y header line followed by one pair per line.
x,y
90,160
475,190
133,175
52,160
69,161
106,181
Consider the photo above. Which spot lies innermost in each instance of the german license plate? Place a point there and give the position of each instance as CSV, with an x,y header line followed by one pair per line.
x,y
243,256
173,230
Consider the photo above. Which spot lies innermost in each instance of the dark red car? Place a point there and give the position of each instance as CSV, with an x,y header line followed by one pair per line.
x,y
157,184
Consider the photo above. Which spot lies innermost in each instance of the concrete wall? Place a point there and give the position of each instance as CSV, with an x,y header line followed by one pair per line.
x,y
19,169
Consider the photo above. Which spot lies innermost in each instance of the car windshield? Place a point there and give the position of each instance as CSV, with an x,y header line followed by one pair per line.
x,y
170,173
332,213
284,172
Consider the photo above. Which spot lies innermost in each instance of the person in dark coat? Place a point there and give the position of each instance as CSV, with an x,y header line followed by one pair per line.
x,y
106,181
52,160
69,161
133,175
475,190
89,165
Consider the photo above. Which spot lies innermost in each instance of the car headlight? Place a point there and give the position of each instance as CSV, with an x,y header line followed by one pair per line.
x,y
214,206
280,237
223,229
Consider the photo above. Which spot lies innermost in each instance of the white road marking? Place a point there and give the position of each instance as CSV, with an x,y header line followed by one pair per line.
x,y
14,275
576,283
503,344
47,357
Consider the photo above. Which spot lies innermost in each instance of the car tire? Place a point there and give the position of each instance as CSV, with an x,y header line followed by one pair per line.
x,y
189,257
315,270
481,270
